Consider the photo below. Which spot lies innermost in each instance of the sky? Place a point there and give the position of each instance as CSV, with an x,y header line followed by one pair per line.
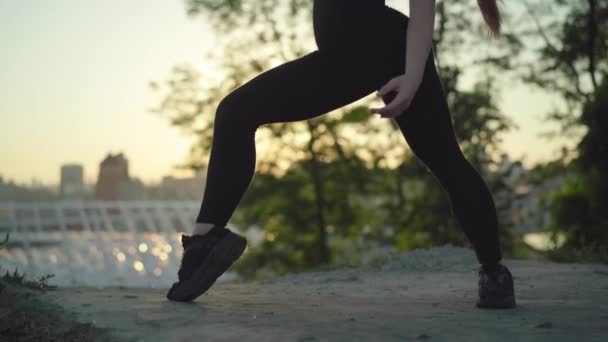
x,y
75,76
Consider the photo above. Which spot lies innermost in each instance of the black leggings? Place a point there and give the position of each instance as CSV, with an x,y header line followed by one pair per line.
x,y
361,46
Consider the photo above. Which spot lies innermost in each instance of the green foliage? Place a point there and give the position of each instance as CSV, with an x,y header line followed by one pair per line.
x,y
569,42
593,146
577,211
569,206
356,115
285,208
580,207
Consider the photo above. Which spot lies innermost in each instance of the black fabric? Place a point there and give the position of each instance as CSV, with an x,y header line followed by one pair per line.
x,y
492,267
360,47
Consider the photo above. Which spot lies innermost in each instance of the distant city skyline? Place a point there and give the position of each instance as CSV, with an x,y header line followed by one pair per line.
x,y
71,178
75,88
113,183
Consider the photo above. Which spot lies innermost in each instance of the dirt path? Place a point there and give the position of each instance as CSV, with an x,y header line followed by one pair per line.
x,y
420,295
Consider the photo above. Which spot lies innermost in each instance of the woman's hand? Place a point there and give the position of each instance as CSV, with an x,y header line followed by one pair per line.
x,y
406,87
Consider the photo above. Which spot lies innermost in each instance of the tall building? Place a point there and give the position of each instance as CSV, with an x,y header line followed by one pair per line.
x,y
113,172
71,182
114,183
132,190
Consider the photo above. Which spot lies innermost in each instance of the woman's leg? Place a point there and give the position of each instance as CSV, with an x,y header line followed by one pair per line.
x,y
427,127
304,88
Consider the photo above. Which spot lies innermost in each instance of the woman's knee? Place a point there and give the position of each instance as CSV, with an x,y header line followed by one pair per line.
x,y
233,112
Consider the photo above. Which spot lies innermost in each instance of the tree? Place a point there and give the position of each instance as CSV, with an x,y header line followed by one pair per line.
x,y
570,44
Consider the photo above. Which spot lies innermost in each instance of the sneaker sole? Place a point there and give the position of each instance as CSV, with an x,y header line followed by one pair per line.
x,y
502,303
220,258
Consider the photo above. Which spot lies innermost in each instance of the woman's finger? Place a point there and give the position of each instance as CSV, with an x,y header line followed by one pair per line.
x,y
376,110
398,110
388,108
395,107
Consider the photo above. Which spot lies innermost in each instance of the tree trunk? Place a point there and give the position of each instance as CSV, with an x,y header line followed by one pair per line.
x,y
315,173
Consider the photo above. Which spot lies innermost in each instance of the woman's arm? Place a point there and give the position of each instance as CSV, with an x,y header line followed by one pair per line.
x,y
419,42
419,36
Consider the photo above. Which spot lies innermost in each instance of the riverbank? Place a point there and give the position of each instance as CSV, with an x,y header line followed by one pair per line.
x,y
418,295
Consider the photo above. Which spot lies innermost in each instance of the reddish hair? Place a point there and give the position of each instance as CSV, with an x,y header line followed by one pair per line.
x,y
491,15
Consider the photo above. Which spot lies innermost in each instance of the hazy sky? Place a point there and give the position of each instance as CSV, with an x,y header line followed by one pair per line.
x,y
74,77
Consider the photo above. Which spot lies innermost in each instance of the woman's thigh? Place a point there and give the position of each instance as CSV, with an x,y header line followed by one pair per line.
x,y
326,79
304,88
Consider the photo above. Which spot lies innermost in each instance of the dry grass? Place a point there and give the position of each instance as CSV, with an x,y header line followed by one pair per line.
x,y
24,316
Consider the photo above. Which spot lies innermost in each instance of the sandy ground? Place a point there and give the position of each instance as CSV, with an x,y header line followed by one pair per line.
x,y
419,295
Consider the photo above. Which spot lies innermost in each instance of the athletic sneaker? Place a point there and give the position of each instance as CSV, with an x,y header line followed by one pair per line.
x,y
495,287
205,258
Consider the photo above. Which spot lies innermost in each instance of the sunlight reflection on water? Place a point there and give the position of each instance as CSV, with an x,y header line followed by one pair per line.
x,y
107,259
